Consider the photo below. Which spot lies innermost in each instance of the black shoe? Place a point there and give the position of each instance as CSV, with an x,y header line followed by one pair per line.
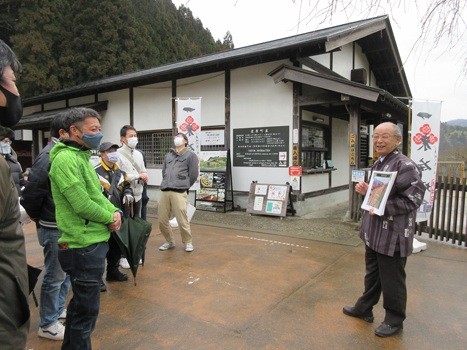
x,y
350,311
103,287
116,276
386,330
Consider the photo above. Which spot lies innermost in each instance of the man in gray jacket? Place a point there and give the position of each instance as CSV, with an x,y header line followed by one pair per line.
x,y
179,172
388,238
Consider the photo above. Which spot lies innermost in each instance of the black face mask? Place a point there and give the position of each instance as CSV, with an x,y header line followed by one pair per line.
x,y
12,113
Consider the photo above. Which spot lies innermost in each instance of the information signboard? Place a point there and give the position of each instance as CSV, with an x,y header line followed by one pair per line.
x,y
261,147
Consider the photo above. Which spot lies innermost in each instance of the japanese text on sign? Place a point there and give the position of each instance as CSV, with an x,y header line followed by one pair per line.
x,y
261,147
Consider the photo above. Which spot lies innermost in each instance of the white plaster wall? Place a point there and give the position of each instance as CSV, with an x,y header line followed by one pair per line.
x,y
117,114
323,59
315,182
257,102
340,152
153,107
342,61
211,89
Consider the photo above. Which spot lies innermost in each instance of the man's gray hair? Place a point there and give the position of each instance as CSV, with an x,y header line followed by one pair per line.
x,y
77,115
8,58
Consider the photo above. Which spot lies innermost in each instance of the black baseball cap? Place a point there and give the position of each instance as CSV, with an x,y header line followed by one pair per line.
x,y
104,146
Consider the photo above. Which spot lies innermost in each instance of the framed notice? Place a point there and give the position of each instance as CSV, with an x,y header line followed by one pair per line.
x,y
378,191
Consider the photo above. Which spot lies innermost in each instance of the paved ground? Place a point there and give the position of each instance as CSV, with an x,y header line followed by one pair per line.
x,y
243,288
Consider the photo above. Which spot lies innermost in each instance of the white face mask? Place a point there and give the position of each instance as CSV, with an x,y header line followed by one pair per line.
x,y
5,148
113,157
132,142
178,141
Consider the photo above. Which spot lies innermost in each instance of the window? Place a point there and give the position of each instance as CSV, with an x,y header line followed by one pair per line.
x,y
315,145
155,144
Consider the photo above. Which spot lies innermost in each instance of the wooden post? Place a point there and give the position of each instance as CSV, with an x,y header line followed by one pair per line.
x,y
354,154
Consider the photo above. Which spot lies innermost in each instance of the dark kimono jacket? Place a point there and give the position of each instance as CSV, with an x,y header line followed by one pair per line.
x,y
394,230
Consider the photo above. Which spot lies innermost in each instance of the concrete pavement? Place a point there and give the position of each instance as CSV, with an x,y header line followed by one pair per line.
x,y
248,290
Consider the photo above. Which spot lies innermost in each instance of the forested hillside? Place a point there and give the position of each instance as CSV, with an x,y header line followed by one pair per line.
x,y
453,142
64,43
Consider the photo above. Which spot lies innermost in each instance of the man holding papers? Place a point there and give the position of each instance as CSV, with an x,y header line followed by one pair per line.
x,y
388,237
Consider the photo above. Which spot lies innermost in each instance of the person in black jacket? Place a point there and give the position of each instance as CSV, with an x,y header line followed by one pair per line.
x,y
37,200
116,188
6,138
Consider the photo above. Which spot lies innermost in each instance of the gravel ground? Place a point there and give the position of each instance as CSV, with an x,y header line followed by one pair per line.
x,y
327,225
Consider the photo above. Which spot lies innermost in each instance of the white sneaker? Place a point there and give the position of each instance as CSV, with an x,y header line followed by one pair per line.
x,y
418,246
167,246
124,263
189,247
62,316
54,332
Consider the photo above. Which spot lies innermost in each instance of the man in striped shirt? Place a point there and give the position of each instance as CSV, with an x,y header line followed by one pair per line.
x,y
389,238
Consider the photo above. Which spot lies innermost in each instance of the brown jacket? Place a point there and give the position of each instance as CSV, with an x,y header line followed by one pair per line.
x,y
395,229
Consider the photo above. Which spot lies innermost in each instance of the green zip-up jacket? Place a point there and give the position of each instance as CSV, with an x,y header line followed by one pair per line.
x,y
81,211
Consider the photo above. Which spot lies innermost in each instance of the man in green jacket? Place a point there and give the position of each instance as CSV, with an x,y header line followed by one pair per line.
x,y
85,219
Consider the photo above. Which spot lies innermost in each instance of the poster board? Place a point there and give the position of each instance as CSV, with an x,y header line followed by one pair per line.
x,y
215,192
378,191
268,199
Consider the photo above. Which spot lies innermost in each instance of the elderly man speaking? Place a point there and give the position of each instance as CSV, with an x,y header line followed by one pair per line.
x,y
388,238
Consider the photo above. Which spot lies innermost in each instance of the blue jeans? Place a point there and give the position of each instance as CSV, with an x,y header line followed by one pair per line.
x,y
56,283
85,267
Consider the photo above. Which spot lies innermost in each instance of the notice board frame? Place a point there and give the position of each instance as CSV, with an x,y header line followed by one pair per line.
x,y
270,199
216,186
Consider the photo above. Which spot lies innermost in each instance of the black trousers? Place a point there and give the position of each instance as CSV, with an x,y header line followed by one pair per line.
x,y
113,255
386,275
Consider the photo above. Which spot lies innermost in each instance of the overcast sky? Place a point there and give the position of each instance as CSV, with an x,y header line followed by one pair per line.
x,y
433,73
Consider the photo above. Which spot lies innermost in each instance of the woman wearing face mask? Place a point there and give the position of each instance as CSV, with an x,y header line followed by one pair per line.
x,y
117,189
179,172
6,135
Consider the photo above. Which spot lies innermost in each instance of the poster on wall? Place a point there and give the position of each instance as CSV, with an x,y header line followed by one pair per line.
x,y
261,147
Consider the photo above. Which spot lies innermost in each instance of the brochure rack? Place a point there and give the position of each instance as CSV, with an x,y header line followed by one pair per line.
x,y
216,189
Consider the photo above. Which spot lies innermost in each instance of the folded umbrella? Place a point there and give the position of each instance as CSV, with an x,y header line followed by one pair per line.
x,y
33,276
132,238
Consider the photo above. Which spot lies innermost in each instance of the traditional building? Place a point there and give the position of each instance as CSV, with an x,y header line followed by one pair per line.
x,y
320,92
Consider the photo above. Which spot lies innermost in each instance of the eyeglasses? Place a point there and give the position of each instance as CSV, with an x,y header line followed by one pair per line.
x,y
5,140
384,137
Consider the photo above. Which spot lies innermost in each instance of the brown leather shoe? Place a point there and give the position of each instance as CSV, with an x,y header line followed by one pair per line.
x,y
386,330
350,311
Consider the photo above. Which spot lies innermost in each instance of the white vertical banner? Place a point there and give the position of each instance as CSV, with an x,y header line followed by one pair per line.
x,y
425,148
189,120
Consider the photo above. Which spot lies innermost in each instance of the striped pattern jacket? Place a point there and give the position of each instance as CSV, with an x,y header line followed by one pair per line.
x,y
394,230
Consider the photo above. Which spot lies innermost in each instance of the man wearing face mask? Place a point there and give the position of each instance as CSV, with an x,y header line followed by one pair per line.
x,y
37,200
6,137
14,308
132,163
85,219
179,172
116,188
